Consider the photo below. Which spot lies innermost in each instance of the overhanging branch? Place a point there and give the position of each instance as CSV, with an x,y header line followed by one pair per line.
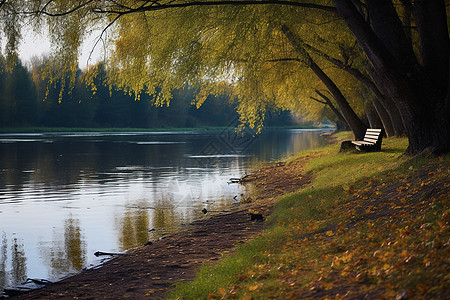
x,y
320,101
43,10
116,8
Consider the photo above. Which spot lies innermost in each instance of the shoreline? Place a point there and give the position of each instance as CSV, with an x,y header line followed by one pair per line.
x,y
369,225
326,236
151,270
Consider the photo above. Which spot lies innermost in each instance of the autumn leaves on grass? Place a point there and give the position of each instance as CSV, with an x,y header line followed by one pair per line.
x,y
371,225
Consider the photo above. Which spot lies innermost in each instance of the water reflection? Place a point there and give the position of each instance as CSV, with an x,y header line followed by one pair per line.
x,y
64,197
18,261
74,245
3,261
133,225
67,251
165,216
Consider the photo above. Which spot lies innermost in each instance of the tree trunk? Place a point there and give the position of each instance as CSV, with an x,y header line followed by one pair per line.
x,y
423,112
388,28
384,117
388,104
393,118
358,128
338,114
434,41
373,117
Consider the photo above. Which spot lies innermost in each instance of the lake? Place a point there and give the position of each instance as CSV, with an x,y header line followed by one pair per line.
x,y
64,196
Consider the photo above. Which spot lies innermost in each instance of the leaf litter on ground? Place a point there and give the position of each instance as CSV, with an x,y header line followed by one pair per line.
x,y
384,233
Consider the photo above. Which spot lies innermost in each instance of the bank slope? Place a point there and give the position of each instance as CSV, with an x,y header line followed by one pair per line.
x,y
373,225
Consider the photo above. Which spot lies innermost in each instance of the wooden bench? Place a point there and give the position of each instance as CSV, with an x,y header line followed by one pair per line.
x,y
371,142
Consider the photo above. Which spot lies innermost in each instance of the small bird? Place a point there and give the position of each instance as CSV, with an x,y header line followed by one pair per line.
x,y
204,211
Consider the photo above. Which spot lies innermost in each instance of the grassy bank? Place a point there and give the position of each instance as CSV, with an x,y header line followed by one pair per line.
x,y
369,225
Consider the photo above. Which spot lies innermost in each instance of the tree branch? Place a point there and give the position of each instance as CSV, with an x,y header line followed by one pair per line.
x,y
332,107
317,100
44,12
100,36
286,59
357,74
157,5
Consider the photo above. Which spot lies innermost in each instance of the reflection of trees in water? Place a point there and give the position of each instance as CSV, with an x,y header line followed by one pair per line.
x,y
67,252
18,271
277,144
134,223
3,261
65,161
74,245
18,262
133,226
165,216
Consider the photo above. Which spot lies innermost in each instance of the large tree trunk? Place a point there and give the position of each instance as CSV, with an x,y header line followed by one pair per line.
x,y
424,111
384,117
393,117
388,104
434,41
388,28
358,127
373,117
338,114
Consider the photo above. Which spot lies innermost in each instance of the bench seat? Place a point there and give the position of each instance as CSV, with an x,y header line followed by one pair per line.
x,y
371,142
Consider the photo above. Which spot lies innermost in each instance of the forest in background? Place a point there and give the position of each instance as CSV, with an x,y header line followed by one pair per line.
x,y
29,100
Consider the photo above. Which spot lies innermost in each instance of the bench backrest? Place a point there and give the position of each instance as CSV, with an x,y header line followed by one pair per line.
x,y
373,136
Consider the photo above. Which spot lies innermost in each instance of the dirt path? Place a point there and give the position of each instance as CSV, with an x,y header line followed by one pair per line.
x,y
148,272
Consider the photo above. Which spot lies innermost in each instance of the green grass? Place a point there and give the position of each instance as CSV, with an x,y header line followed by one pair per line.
x,y
229,269
345,168
314,241
332,172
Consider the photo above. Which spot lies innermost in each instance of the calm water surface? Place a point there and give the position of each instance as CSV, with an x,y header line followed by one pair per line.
x,y
65,196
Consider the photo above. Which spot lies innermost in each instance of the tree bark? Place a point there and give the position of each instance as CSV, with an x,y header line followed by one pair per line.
x,y
373,117
423,112
328,102
384,117
432,26
388,28
388,104
358,128
393,119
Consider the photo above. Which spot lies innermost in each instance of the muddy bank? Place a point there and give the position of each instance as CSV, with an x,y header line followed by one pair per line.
x,y
149,271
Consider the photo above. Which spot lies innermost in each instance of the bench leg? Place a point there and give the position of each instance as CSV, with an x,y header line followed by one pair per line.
x,y
347,146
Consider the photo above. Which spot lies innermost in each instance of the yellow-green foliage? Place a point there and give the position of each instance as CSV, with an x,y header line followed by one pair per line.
x,y
238,48
243,46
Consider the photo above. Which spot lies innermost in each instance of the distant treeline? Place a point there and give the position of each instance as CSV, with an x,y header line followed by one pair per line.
x,y
27,100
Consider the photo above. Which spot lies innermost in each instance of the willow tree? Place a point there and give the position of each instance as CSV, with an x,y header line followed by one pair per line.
x,y
167,43
218,45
